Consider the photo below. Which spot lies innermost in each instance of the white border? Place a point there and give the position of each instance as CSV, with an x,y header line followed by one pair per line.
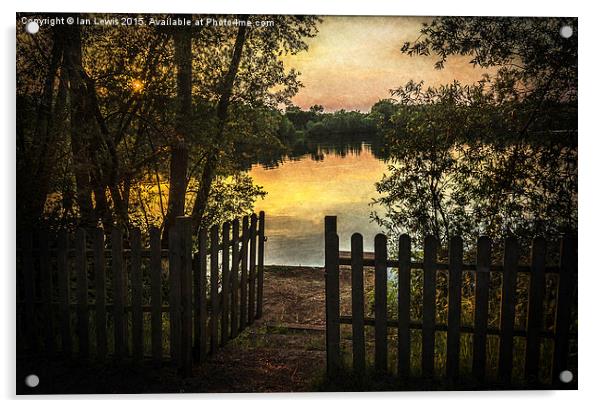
x,y
590,285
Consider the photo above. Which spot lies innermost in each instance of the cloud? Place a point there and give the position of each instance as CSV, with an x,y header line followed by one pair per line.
x,y
355,60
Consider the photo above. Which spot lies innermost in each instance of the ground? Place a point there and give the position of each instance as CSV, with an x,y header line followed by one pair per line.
x,y
282,352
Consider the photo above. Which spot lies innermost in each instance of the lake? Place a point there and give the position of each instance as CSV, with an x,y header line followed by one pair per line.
x,y
333,180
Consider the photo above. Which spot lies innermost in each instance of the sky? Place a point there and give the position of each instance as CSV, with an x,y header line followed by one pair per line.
x,y
355,60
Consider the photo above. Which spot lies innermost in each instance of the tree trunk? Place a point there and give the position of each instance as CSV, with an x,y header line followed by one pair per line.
x,y
202,197
81,126
178,166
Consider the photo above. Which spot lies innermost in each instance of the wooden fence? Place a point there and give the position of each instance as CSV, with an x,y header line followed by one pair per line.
x,y
479,330
72,293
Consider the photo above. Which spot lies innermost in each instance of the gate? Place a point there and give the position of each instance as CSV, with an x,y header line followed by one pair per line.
x,y
533,359
89,298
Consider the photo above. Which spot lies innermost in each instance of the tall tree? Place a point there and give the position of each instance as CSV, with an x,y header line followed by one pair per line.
x,y
83,127
178,167
209,168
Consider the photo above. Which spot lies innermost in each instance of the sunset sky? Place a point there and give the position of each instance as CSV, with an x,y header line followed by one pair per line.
x,y
354,61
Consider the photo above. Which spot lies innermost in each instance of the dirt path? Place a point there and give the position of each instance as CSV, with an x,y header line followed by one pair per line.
x,y
282,352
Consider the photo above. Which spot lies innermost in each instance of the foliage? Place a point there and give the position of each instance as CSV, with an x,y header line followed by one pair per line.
x,y
328,125
497,157
232,197
130,77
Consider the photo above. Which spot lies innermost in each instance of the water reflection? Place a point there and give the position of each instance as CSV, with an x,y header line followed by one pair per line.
x,y
331,179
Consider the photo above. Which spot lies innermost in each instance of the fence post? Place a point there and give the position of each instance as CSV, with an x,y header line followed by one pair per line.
x,y
64,283
99,281
82,292
214,287
380,304
184,227
535,317
429,304
260,261
225,282
156,296
481,314
136,278
403,307
357,304
332,297
175,297
201,296
568,270
118,292
244,281
234,323
454,307
508,309
252,268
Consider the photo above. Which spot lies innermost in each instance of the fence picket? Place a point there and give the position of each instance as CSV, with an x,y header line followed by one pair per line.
x,y
260,256
428,312
225,282
100,295
119,291
380,304
481,314
156,297
64,283
252,269
568,270
403,304
508,310
184,226
215,304
244,281
535,314
454,307
175,297
333,335
82,293
201,297
136,277
357,304
234,279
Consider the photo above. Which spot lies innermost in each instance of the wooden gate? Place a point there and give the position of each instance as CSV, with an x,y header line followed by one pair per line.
x,y
562,277
87,297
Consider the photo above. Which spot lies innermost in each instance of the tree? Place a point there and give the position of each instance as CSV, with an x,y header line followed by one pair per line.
x,y
253,72
178,162
316,109
37,151
497,157
133,127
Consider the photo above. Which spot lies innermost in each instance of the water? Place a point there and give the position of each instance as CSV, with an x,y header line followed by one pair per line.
x,y
338,180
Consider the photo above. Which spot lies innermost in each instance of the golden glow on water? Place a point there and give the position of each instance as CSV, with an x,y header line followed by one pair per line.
x,y
301,193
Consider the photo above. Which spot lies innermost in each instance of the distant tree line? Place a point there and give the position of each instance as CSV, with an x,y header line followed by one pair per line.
x,y
316,125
